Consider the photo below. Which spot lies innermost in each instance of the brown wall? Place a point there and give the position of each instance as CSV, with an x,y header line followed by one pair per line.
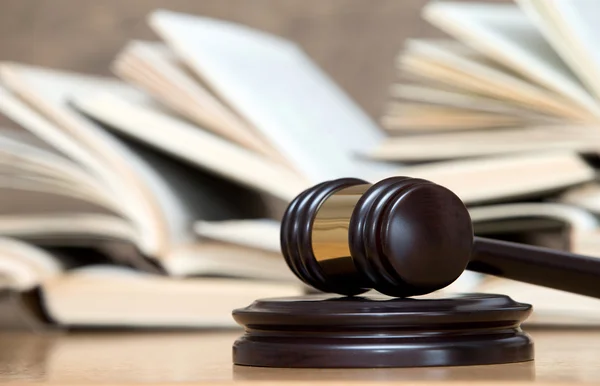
x,y
353,40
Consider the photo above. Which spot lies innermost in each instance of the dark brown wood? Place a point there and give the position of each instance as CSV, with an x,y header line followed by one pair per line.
x,y
407,237
411,237
326,331
536,265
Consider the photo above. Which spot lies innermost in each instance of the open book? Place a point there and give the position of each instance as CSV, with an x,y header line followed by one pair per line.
x,y
105,295
517,78
513,80
223,78
526,65
70,187
172,179
554,225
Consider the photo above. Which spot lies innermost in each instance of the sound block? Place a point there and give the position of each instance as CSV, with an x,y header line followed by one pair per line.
x,y
322,331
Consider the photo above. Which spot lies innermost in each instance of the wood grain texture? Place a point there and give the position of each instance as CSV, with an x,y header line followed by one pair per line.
x,y
567,356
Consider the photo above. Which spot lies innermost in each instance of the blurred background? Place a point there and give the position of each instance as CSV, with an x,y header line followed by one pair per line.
x,y
117,210
354,41
437,97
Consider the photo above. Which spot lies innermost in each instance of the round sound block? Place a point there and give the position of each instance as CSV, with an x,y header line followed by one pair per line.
x,y
323,331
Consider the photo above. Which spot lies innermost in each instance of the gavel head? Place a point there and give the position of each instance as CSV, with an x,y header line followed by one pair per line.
x,y
401,236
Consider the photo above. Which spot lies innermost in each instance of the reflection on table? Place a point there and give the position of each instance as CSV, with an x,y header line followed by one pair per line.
x,y
101,357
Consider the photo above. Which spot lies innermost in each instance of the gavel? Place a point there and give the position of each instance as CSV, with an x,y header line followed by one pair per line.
x,y
402,237
406,237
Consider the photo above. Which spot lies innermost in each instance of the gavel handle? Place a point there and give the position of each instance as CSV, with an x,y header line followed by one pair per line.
x,y
535,265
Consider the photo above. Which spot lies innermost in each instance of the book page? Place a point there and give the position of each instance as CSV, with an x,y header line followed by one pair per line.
x,y
154,68
19,196
25,266
80,298
20,159
13,180
586,196
273,85
465,82
505,34
414,117
61,226
577,219
27,138
500,178
262,233
437,95
192,144
149,201
481,143
210,258
571,27
18,111
463,66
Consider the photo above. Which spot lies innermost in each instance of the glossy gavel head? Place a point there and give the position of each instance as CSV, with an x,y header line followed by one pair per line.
x,y
401,236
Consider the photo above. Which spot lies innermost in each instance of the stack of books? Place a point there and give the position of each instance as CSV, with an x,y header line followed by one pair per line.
x,y
517,83
153,198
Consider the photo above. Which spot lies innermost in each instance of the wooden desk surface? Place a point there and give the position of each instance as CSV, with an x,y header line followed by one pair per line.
x,y
562,356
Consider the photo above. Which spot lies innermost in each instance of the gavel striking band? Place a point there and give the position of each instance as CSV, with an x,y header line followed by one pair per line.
x,y
405,237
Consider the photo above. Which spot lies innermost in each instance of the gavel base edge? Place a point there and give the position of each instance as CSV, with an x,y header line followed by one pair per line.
x,y
325,331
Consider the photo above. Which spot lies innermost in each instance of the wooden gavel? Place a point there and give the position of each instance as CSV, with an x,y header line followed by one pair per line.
x,y
406,237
